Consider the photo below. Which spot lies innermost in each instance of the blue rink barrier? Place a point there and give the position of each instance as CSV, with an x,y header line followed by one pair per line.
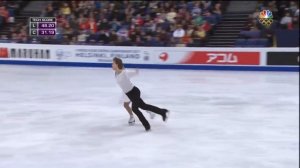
x,y
156,66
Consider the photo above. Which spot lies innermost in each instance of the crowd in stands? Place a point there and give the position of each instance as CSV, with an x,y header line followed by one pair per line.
x,y
129,23
285,16
144,23
7,11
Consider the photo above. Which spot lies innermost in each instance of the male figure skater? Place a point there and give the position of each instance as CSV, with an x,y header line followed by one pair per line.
x,y
134,94
126,101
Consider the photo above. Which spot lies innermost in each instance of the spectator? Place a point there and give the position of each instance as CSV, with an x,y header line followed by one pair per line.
x,y
59,31
92,37
49,11
207,6
139,21
65,40
190,29
73,40
217,12
206,26
15,38
74,8
138,42
171,15
181,14
68,30
12,6
164,37
286,21
104,37
196,10
186,39
160,17
65,9
210,18
4,14
198,21
198,36
123,32
293,7
98,5
73,22
82,37
179,32
91,24
200,33
103,25
83,24
115,25
133,36
113,37
63,20
150,26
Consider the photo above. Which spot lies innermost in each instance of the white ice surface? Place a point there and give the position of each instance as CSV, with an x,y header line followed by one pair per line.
x,y
58,117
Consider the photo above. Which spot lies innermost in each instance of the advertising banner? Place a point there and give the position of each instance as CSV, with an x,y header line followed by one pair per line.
x,y
99,54
282,58
152,57
3,52
222,58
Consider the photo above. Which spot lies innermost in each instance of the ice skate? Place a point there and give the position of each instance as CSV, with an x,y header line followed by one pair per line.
x,y
148,128
131,120
165,115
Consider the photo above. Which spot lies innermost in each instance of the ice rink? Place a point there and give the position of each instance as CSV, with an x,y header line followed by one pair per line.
x,y
58,117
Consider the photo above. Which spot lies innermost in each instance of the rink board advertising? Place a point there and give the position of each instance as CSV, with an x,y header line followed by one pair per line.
x,y
222,58
3,52
269,59
282,58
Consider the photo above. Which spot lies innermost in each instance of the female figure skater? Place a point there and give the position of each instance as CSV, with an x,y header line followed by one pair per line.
x,y
126,100
134,94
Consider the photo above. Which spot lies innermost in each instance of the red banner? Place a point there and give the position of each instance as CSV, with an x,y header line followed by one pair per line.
x,y
219,57
3,52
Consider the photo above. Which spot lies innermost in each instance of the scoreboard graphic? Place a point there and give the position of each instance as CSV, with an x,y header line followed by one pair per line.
x,y
42,26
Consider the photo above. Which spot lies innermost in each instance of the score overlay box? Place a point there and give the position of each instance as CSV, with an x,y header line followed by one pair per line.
x,y
42,26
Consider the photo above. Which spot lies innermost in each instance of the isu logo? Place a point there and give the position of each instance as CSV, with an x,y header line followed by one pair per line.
x,y
222,58
164,56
